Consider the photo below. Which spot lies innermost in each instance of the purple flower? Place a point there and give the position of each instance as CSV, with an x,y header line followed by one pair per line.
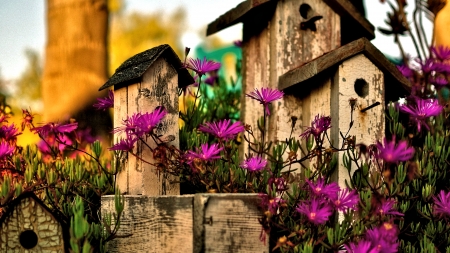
x,y
406,71
213,78
428,65
361,246
206,152
345,200
422,110
438,81
391,152
319,125
202,66
55,128
319,188
384,238
441,53
5,149
125,144
238,43
442,204
223,130
266,96
105,103
386,208
9,133
146,122
254,164
316,211
129,124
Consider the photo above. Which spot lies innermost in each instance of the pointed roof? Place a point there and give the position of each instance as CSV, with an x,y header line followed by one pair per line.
x,y
305,74
131,70
352,21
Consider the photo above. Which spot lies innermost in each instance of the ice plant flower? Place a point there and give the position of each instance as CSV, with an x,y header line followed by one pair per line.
x,y
319,188
345,200
5,149
265,97
201,67
441,53
146,122
442,204
392,152
422,110
362,246
386,208
125,144
317,211
271,203
55,128
406,71
384,238
223,130
319,125
206,152
106,102
254,164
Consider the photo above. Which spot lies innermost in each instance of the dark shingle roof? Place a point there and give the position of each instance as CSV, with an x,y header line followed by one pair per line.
x,y
304,75
131,70
352,20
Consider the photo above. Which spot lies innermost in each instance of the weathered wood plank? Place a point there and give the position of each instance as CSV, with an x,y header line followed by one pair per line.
x,y
120,113
227,223
153,224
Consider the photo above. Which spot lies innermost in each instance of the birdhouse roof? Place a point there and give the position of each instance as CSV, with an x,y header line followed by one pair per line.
x,y
132,70
252,9
307,71
18,200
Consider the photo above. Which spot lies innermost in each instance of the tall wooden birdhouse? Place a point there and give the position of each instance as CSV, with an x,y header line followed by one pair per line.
x,y
29,226
281,38
143,82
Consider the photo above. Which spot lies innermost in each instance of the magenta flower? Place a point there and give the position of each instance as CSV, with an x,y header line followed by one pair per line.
x,y
386,208
125,144
438,81
406,71
237,43
316,211
422,110
223,130
362,246
271,204
129,125
319,188
442,204
384,238
429,65
266,96
106,102
254,164
5,149
345,200
146,122
441,53
319,125
206,152
391,152
202,66
9,133
55,128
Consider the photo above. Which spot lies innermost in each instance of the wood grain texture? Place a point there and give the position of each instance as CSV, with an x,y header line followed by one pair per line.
x,y
227,223
153,224
158,88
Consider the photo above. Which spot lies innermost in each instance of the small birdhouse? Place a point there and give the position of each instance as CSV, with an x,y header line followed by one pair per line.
x,y
318,52
30,226
143,82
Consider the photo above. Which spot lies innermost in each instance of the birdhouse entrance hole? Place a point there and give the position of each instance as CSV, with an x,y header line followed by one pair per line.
x,y
361,87
28,239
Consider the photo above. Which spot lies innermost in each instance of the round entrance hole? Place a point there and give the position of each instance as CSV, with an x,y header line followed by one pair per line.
x,y
305,11
361,87
28,239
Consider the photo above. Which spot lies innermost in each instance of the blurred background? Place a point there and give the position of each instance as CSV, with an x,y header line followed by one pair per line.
x,y
44,62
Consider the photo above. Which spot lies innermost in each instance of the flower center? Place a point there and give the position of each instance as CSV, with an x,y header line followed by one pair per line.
x,y
318,189
312,216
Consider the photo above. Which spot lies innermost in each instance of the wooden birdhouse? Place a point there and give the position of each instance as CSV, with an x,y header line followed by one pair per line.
x,y
30,226
318,52
143,82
